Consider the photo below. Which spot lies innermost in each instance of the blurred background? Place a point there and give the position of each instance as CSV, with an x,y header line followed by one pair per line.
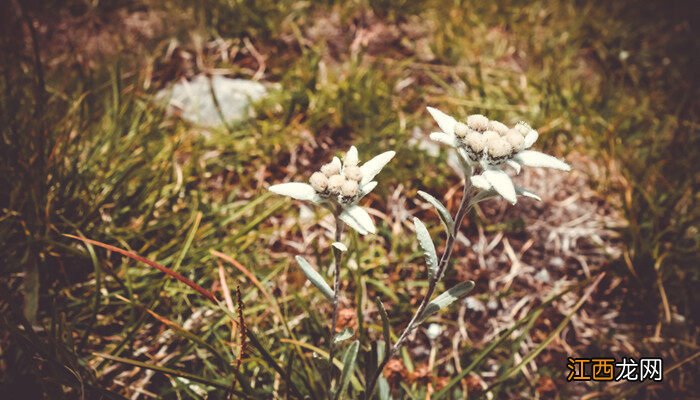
x,y
157,127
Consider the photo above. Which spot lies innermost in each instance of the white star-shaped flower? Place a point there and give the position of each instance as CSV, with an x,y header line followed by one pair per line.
x,y
490,144
344,184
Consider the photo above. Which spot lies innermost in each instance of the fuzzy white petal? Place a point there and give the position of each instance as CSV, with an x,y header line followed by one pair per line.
x,y
526,193
340,246
365,189
532,158
351,158
502,183
445,138
444,121
371,168
358,219
514,165
530,138
480,182
336,162
296,190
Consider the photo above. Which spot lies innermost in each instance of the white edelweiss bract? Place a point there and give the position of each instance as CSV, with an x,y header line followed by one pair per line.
x,y
445,122
371,168
358,219
351,158
343,184
296,190
488,144
532,158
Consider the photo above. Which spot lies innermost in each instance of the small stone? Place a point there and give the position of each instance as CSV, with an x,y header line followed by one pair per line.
x,y
330,169
461,129
353,173
478,122
335,182
319,181
349,188
499,127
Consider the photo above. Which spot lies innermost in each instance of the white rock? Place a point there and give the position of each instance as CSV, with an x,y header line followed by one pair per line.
x,y
193,99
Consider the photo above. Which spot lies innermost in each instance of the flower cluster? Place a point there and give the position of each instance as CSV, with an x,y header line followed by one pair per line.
x,y
340,181
343,184
488,144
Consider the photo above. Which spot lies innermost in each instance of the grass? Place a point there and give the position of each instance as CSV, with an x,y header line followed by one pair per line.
x,y
85,152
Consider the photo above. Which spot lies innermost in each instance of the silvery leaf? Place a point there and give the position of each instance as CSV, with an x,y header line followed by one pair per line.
x,y
343,335
444,300
502,183
444,121
491,193
367,188
426,243
480,182
445,216
371,168
532,158
526,193
314,277
357,218
531,138
340,246
445,138
514,165
296,190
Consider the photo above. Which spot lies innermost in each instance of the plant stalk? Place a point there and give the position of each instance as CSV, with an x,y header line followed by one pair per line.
x,y
337,257
464,208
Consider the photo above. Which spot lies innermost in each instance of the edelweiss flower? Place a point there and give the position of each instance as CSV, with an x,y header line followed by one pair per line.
x,y
342,184
489,144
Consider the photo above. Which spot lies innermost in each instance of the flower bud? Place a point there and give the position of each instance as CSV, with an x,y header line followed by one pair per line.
x,y
478,122
353,173
515,139
330,169
349,188
491,135
498,148
475,141
499,127
461,129
318,181
335,182
523,128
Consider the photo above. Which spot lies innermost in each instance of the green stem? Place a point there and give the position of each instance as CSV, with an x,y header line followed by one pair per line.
x,y
464,208
337,257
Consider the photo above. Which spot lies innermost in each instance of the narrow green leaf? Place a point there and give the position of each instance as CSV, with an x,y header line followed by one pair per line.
x,y
315,277
426,243
384,389
343,335
441,209
166,370
348,367
444,300
385,324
